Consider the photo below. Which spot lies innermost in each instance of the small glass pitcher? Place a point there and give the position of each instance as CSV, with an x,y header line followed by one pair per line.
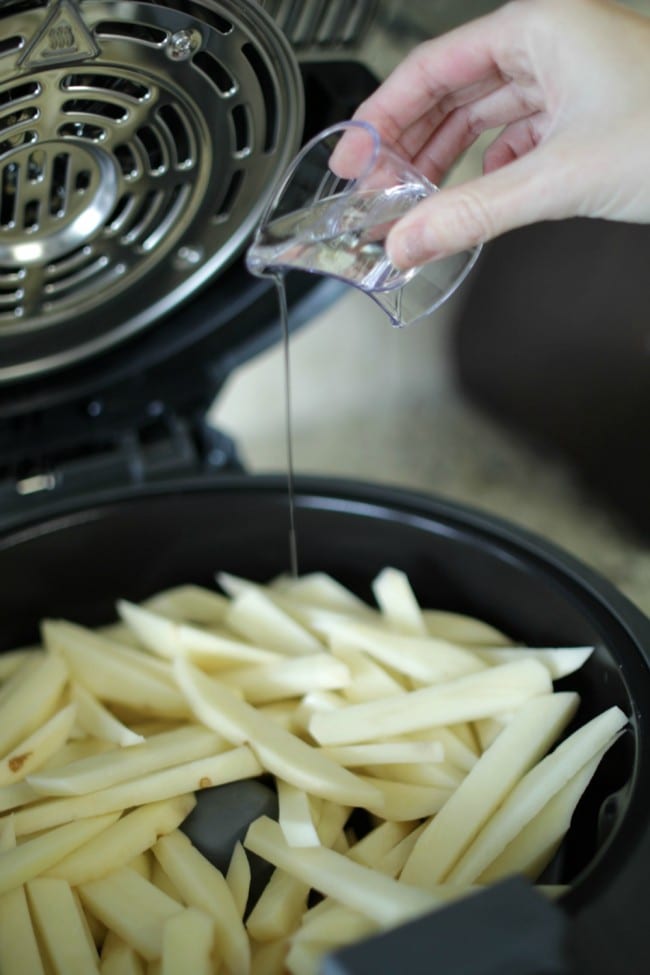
x,y
331,212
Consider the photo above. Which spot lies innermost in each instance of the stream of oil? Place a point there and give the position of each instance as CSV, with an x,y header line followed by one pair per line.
x,y
278,279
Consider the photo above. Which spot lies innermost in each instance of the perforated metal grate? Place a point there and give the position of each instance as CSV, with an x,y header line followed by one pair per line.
x,y
138,142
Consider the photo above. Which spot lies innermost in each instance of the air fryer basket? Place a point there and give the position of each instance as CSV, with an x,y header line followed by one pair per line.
x,y
134,542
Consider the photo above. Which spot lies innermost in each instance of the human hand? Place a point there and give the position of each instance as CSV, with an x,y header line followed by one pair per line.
x,y
569,82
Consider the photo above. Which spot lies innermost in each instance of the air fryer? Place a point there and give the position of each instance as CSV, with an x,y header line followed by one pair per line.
x,y
138,143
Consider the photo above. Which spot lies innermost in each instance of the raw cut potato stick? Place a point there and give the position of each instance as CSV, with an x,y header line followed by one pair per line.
x,y
268,958
401,801
535,846
16,795
534,790
12,660
421,657
253,615
294,816
519,746
424,774
189,604
98,722
132,907
31,700
379,753
123,764
202,885
279,752
116,846
230,766
464,630
320,589
118,958
288,678
60,927
64,636
238,878
368,680
188,940
397,602
161,880
35,750
378,842
392,862
282,902
479,695
19,952
171,639
380,898
560,661
338,925
114,676
31,858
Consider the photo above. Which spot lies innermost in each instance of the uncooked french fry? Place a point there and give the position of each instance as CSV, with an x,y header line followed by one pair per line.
x,y
560,661
396,599
279,752
337,925
238,878
115,673
170,639
381,898
12,660
534,790
35,750
401,801
268,958
256,617
368,680
118,958
379,841
534,847
124,764
320,589
202,885
294,816
395,752
188,941
134,833
288,678
522,743
31,858
478,695
421,657
16,795
189,603
19,952
98,722
132,907
231,766
31,700
60,927
465,630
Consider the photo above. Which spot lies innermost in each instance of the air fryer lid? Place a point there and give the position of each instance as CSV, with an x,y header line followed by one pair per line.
x,y
134,542
138,141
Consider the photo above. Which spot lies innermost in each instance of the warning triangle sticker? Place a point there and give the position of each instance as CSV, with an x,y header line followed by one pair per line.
x,y
63,37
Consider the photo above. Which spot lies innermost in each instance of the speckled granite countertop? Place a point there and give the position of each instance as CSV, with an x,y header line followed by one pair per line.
x,y
381,405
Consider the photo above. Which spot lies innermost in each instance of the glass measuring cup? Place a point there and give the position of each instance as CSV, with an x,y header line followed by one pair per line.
x,y
331,212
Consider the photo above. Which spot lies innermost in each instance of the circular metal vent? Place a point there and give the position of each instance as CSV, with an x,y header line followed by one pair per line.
x,y
138,144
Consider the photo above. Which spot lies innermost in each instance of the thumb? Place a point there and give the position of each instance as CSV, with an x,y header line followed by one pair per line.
x,y
460,217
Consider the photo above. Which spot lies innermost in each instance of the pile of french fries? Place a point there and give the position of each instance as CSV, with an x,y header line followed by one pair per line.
x,y
433,723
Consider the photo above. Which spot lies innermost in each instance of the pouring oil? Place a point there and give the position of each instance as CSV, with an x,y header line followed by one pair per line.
x,y
341,237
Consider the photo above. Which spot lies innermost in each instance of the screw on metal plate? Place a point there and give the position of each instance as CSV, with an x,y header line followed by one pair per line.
x,y
187,257
182,45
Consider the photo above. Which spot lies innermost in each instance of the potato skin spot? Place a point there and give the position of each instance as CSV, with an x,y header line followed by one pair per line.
x,y
205,782
17,761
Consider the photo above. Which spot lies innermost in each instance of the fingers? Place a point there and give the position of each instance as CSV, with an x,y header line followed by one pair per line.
x,y
470,57
458,218
516,140
507,105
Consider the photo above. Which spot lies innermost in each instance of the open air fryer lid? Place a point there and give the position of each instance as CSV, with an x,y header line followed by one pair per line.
x,y
138,143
